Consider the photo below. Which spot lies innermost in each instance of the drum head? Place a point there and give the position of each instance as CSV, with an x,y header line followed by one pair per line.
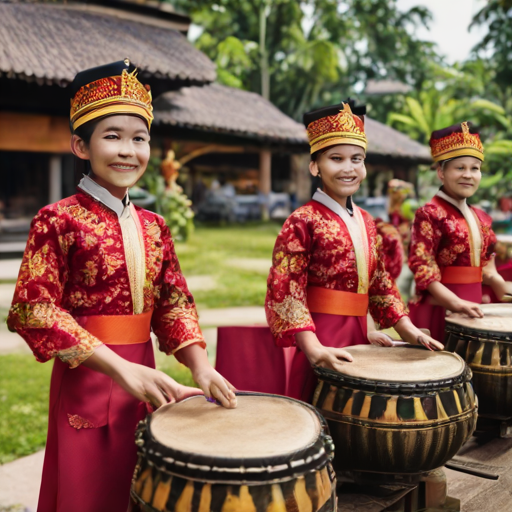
x,y
401,364
498,318
261,426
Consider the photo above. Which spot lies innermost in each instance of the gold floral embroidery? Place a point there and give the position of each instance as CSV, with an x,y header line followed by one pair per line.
x,y
290,313
90,272
75,265
47,316
78,422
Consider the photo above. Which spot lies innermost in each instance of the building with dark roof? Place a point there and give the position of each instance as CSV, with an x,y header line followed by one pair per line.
x,y
217,129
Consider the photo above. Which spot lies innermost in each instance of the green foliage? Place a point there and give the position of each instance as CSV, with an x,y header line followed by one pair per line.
x,y
171,203
314,52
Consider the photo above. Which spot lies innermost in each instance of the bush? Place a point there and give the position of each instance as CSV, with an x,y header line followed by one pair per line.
x,y
171,203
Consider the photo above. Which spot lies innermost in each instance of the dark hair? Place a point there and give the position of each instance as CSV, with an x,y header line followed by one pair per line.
x,y
86,130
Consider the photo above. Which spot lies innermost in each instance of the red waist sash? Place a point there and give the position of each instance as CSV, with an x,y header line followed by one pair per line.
x,y
118,329
461,275
337,302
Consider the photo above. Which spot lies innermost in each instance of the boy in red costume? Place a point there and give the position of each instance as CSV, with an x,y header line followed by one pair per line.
x,y
326,272
97,275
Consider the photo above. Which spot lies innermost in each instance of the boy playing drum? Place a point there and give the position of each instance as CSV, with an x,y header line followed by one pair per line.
x,y
97,274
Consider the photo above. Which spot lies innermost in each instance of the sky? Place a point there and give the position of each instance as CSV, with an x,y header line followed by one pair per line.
x,y
449,27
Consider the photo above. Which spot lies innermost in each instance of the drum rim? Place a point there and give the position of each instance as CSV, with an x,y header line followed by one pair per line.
x,y
452,327
184,464
392,387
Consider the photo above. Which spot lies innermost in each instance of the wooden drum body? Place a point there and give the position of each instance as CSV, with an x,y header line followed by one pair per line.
x,y
486,345
397,410
270,454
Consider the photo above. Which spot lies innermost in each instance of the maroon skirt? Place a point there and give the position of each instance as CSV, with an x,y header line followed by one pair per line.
x,y
332,331
90,450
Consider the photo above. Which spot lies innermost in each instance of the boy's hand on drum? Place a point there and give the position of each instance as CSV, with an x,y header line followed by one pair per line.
x,y
216,386
154,387
146,384
471,309
318,355
379,338
330,357
411,334
211,382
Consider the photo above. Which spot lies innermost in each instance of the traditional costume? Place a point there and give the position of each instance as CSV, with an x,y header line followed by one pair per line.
x,y
400,194
392,248
451,241
326,271
98,270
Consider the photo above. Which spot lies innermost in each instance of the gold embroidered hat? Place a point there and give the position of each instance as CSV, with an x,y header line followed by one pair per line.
x,y
458,140
109,89
337,124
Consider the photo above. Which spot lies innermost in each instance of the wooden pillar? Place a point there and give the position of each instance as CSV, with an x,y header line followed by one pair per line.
x,y
265,182
55,175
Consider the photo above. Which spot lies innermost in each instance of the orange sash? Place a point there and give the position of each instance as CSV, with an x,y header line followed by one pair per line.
x,y
118,329
336,302
461,275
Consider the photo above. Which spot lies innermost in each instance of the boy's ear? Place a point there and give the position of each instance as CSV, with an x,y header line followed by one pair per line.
x,y
313,169
79,147
440,172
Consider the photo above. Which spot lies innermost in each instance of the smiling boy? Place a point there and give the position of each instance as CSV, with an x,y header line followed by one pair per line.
x,y
98,274
452,243
326,272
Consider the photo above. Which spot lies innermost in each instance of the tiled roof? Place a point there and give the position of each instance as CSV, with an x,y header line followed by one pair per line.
x,y
221,109
51,43
385,141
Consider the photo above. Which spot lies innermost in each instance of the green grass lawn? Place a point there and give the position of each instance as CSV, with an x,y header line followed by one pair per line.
x,y
24,385
24,393
208,252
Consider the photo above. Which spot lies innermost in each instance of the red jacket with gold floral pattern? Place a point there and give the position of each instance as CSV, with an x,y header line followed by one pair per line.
x,y
74,265
440,238
392,247
314,248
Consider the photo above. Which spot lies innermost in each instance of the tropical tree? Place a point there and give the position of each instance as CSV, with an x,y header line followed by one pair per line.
x,y
304,54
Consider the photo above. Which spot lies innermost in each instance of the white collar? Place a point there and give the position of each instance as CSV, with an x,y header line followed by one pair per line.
x,y
458,203
102,195
321,197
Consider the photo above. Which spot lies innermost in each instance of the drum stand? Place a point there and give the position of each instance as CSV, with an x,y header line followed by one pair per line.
x,y
380,492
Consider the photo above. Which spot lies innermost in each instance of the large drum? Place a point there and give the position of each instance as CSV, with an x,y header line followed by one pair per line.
x,y
271,453
397,410
486,345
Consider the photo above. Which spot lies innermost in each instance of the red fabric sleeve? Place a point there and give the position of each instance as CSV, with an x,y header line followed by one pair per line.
x,y
175,321
286,302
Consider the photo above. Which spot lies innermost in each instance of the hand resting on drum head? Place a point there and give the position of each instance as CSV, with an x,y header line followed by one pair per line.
x,y
318,354
147,384
442,296
414,336
213,384
376,337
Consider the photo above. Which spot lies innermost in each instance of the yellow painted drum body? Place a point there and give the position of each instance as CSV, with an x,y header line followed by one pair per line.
x,y
486,345
270,454
397,410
